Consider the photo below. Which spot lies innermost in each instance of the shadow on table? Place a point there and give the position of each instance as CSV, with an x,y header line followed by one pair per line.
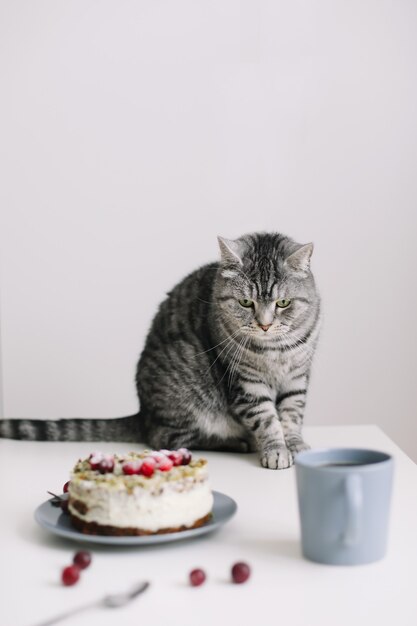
x,y
289,548
274,547
267,546
30,532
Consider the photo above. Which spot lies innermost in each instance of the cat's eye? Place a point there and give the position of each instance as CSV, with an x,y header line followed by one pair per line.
x,y
282,304
245,302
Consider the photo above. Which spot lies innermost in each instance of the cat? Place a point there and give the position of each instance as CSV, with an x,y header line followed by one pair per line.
x,y
226,363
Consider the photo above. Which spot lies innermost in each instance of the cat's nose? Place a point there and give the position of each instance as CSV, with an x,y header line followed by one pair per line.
x,y
265,326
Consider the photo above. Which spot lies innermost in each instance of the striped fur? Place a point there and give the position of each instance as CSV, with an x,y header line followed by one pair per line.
x,y
209,376
76,429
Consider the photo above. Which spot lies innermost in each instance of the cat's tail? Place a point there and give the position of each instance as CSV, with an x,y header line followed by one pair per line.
x,y
73,429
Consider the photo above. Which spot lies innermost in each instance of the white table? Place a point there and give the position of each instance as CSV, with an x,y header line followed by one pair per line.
x,y
284,588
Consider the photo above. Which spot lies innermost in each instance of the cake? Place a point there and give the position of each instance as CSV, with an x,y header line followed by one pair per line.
x,y
139,493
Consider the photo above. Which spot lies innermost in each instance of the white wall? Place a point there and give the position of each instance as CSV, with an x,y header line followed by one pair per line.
x,y
134,132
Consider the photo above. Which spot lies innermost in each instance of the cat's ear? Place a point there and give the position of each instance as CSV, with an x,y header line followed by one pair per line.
x,y
299,261
231,251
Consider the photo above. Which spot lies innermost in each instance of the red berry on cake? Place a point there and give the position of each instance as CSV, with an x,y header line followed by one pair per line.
x,y
186,456
65,487
157,455
144,490
197,577
82,559
70,575
176,457
106,465
95,459
131,467
240,572
165,464
148,467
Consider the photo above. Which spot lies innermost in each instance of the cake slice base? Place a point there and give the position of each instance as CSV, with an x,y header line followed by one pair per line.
x,y
92,528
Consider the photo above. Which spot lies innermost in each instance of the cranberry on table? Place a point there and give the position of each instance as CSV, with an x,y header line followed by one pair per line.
x,y
82,559
65,487
197,577
70,575
240,572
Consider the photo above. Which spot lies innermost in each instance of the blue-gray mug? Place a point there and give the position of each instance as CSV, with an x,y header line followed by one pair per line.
x,y
344,500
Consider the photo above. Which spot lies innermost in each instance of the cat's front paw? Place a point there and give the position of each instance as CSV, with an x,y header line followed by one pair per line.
x,y
297,446
276,458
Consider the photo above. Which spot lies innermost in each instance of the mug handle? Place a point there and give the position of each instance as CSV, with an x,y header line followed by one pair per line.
x,y
354,500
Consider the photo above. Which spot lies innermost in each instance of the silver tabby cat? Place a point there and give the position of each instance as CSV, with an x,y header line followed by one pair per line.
x,y
227,360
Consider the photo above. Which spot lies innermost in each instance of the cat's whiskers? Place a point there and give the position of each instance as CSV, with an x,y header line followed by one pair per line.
x,y
300,338
229,367
229,346
306,351
243,351
237,360
220,343
293,339
205,301
228,364
230,361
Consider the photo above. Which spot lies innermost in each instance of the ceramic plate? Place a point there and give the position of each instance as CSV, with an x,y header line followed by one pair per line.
x,y
51,518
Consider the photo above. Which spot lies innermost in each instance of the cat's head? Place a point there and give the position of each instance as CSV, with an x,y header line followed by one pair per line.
x,y
265,287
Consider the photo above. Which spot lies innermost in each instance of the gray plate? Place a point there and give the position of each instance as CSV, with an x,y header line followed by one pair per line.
x,y
52,518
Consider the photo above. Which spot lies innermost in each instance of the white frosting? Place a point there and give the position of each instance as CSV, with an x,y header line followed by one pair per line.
x,y
178,503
